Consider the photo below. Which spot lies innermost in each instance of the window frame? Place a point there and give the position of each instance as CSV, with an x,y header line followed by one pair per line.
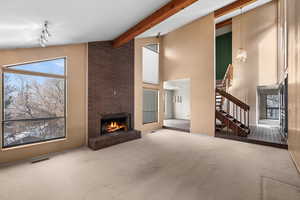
x,y
158,93
7,69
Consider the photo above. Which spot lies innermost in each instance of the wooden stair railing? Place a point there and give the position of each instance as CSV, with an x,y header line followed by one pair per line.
x,y
226,82
232,113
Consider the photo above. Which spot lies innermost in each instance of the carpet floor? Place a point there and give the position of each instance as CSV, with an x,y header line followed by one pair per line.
x,y
164,165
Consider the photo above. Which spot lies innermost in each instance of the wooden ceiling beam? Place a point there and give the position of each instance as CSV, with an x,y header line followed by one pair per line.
x,y
158,16
232,7
224,23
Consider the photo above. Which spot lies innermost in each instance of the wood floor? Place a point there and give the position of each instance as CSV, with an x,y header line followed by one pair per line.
x,y
261,134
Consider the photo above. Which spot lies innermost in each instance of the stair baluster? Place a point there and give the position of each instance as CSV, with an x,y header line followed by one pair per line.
x,y
229,117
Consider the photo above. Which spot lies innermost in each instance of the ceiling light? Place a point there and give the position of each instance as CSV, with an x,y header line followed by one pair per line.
x,y
45,34
242,54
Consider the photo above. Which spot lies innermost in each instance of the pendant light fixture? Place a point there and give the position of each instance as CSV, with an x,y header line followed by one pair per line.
x,y
242,54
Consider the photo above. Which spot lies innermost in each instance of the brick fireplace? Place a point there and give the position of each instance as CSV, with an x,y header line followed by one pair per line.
x,y
113,129
110,93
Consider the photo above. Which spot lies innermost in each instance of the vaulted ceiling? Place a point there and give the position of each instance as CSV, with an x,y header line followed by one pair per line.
x,y
85,21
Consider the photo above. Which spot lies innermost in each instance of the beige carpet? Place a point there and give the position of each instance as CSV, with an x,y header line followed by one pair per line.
x,y
165,165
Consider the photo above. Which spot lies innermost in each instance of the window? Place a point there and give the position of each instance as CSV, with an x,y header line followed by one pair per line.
x,y
273,107
151,64
33,102
150,106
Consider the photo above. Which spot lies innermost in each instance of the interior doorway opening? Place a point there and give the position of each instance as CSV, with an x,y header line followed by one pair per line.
x,y
268,105
177,105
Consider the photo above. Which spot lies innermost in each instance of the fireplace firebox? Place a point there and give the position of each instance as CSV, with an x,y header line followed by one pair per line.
x,y
114,129
111,123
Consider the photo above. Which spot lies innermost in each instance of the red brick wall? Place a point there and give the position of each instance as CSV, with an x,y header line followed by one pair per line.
x,y
110,69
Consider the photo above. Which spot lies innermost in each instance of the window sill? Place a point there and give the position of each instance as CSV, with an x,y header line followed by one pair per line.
x,y
33,144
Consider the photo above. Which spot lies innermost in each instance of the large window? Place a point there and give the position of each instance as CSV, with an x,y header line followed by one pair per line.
x,y
273,107
33,102
150,106
151,64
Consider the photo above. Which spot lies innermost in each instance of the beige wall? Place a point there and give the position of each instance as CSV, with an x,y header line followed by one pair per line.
x,y
76,98
294,80
259,38
282,41
139,85
188,52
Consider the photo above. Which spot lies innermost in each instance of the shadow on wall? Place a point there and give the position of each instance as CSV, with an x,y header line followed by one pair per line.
x,y
259,38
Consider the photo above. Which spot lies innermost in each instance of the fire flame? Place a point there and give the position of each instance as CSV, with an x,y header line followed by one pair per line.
x,y
114,126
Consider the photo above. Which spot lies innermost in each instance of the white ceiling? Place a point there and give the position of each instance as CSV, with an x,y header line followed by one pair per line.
x,y
199,9
77,21
245,9
223,30
71,21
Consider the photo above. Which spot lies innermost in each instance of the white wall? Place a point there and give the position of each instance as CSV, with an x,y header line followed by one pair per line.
x,y
178,88
182,109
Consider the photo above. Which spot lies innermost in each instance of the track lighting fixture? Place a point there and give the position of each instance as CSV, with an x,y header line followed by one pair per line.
x,y
158,35
45,34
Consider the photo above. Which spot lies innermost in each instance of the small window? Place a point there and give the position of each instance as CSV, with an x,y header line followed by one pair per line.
x,y
273,107
150,106
151,64
33,102
56,66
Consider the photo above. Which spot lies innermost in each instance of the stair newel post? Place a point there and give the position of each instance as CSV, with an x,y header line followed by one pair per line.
x,y
240,114
233,110
245,118
228,109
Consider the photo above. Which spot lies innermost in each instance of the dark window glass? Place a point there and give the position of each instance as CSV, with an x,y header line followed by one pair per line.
x,y
273,107
150,106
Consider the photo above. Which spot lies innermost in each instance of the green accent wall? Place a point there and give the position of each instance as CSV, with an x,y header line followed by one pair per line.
x,y
223,54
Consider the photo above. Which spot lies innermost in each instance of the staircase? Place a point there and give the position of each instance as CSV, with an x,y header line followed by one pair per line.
x,y
231,113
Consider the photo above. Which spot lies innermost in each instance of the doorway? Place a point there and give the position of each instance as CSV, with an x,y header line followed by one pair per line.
x,y
177,105
271,112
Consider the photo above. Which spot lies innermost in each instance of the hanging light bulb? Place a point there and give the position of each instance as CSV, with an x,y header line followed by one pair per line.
x,y
42,42
44,36
46,31
242,54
